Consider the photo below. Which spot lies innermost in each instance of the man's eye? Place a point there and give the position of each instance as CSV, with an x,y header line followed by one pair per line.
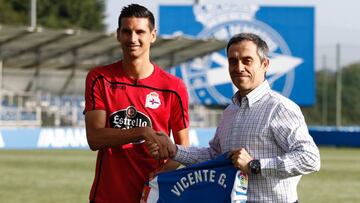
x,y
247,61
125,31
232,62
140,32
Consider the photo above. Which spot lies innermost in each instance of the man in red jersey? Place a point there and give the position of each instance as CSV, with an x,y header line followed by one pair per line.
x,y
128,103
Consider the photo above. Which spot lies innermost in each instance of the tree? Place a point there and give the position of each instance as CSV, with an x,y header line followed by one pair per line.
x,y
350,97
85,14
13,12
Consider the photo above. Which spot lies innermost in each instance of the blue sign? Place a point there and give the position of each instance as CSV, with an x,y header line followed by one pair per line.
x,y
72,138
288,31
43,138
75,138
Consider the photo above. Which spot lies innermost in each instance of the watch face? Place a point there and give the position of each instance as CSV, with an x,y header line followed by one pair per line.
x,y
255,166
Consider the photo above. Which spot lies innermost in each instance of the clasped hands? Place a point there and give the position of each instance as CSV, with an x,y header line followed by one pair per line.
x,y
160,146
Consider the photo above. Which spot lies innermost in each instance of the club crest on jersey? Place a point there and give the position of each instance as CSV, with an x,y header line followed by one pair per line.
x,y
152,100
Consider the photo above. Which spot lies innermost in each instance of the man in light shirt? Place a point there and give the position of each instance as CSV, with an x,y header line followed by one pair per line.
x,y
265,132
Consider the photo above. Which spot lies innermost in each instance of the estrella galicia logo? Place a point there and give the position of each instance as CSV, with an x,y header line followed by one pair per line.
x,y
129,118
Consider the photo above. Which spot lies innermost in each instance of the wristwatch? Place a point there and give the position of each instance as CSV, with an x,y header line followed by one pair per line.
x,y
255,166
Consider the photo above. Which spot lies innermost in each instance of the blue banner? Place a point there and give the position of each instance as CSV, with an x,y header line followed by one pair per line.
x,y
75,138
196,182
288,31
43,138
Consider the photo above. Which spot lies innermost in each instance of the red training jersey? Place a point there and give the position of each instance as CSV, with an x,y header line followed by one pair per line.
x,y
159,101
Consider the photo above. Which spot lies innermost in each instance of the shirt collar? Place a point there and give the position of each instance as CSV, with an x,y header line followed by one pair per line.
x,y
254,96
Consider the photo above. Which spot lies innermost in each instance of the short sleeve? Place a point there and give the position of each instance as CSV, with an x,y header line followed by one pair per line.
x,y
179,115
94,91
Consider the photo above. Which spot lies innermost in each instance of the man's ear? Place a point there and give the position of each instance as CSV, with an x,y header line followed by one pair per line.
x,y
153,35
118,34
266,64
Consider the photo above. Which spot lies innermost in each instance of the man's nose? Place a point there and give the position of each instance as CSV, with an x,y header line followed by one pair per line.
x,y
241,67
133,37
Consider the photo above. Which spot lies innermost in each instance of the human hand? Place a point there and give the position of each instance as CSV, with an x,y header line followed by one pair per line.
x,y
240,159
161,147
147,133
152,144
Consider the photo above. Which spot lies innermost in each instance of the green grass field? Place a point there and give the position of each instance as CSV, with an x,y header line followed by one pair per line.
x,y
42,176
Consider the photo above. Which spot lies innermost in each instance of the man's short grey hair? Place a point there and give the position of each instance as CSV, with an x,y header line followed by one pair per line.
x,y
262,47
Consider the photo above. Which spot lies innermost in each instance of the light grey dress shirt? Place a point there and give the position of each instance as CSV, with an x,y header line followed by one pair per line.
x,y
272,129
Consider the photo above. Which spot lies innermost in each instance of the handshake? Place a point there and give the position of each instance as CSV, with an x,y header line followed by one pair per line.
x,y
159,145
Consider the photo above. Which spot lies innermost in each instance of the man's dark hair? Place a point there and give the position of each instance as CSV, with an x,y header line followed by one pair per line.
x,y
262,47
138,11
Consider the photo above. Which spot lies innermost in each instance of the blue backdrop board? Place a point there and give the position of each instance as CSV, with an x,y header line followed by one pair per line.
x,y
289,32
75,138
43,138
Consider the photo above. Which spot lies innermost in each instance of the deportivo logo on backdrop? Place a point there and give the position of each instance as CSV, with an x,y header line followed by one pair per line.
x,y
288,31
129,118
